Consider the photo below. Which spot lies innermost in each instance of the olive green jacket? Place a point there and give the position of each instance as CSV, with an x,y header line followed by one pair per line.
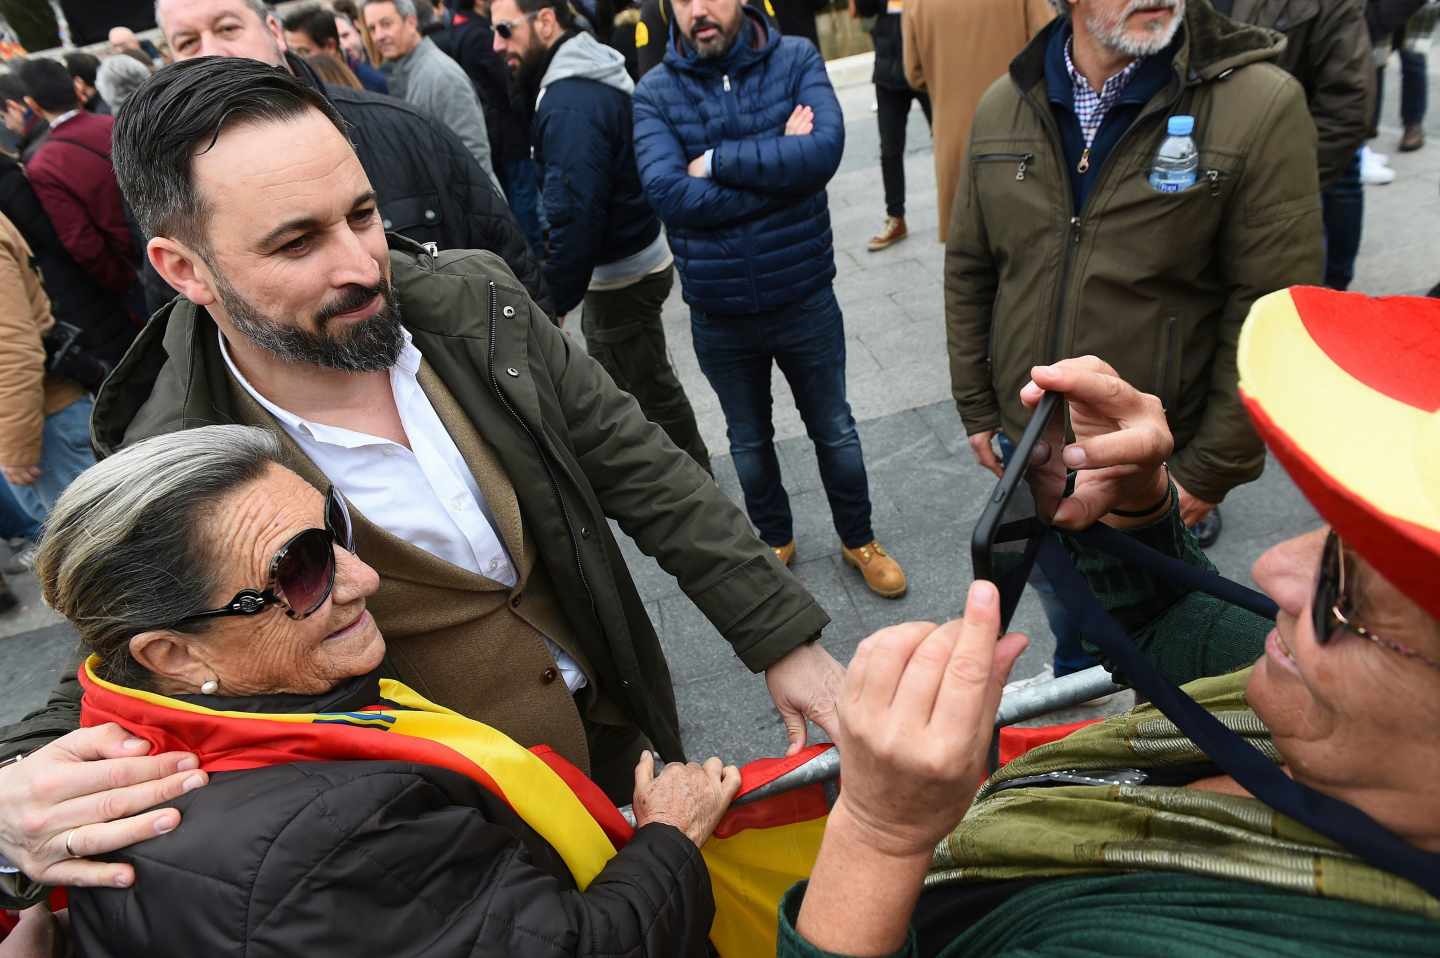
x,y
1156,284
1327,49
576,448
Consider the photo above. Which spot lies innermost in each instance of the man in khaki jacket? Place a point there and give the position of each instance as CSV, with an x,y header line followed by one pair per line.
x,y
1061,247
954,50
44,419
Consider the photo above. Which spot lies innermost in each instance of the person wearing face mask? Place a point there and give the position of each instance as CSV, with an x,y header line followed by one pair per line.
x,y
1125,837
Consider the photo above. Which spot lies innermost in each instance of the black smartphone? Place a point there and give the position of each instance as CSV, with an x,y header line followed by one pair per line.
x,y
1019,512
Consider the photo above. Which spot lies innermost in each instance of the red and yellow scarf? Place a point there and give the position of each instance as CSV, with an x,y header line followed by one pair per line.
x,y
756,854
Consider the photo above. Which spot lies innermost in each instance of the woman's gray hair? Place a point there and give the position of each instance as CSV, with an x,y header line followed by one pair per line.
x,y
124,550
117,78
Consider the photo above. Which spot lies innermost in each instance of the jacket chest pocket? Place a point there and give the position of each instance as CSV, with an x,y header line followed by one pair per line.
x,y
1170,234
419,217
1017,190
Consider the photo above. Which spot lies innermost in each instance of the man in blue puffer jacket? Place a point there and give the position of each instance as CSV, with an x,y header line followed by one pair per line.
x,y
605,245
736,134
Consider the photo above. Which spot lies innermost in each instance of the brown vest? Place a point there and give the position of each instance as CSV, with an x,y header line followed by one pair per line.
x,y
459,639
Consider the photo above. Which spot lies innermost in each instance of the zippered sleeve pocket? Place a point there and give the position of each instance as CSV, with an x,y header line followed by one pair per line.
x,y
1021,161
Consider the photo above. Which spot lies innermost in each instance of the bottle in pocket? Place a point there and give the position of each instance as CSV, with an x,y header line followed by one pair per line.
x,y
1177,162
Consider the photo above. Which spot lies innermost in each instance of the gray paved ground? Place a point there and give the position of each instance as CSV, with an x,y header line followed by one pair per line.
x,y
925,488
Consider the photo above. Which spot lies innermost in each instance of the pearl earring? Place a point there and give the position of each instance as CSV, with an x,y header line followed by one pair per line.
x,y
210,687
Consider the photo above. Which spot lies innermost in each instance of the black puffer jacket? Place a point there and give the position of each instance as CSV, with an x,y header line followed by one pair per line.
x,y
342,859
431,189
889,45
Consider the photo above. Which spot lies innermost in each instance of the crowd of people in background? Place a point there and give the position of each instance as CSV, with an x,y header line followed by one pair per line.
x,y
189,216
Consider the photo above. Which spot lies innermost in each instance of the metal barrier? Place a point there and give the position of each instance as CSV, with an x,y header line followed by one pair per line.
x,y
1018,706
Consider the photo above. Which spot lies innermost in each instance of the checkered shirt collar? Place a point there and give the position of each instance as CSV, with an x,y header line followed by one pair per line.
x,y
1091,107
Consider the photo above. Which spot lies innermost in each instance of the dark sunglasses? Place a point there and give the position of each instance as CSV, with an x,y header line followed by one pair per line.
x,y
506,28
1331,609
302,574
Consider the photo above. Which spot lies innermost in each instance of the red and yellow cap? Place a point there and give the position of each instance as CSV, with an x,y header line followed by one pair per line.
x,y
1345,390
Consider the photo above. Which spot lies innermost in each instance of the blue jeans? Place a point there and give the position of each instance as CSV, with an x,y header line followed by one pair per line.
x,y
807,341
1343,210
66,453
15,522
522,191
1070,654
1414,87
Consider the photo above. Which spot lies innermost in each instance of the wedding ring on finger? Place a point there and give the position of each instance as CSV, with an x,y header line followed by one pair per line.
x,y
70,852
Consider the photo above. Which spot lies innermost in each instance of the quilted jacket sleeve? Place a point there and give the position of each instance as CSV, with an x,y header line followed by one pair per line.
x,y
680,199
790,164
22,355
577,187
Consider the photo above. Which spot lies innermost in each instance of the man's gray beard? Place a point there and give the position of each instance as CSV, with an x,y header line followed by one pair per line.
x,y
1113,36
371,345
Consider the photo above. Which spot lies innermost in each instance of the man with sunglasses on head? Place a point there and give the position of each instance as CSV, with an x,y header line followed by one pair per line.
x,y
481,453
429,186
605,247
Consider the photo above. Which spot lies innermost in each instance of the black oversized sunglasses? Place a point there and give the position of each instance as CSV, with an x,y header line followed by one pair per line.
x,y
1331,608
302,574
506,28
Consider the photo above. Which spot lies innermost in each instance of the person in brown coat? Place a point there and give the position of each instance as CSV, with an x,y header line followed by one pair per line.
x,y
954,50
44,419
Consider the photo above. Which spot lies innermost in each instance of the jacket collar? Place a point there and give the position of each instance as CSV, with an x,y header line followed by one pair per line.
x,y
741,55
351,695
1210,48
1150,78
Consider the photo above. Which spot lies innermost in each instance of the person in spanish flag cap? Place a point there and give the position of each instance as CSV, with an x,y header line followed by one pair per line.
x,y
1124,837
342,813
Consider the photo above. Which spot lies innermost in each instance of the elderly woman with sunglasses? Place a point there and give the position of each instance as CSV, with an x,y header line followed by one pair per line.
x,y
340,813
1124,838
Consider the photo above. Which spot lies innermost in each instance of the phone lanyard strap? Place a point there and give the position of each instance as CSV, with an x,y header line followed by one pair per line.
x,y
1348,826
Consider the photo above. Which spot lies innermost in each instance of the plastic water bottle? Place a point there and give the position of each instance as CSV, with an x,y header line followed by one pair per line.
x,y
1177,162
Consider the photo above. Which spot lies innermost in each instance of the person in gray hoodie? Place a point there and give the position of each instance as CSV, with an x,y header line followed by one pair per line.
x,y
605,246
423,76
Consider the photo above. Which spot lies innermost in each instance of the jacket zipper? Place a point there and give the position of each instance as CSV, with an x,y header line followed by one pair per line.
x,y
1083,166
1163,364
1216,177
1076,222
1022,161
726,80
550,473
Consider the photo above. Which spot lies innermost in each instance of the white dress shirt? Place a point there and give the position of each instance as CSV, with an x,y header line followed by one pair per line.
x,y
425,494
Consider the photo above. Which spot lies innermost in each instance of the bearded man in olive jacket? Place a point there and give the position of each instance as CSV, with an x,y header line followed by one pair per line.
x,y
1060,247
480,451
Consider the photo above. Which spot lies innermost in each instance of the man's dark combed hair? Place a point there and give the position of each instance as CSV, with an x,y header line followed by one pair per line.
x,y
315,22
82,66
48,83
179,114
11,89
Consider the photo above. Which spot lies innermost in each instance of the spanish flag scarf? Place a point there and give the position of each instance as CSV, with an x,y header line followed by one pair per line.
x,y
756,854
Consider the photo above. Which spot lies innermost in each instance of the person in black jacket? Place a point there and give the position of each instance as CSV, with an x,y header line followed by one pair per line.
x,y
893,97
466,36
431,189
297,844
75,297
605,245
